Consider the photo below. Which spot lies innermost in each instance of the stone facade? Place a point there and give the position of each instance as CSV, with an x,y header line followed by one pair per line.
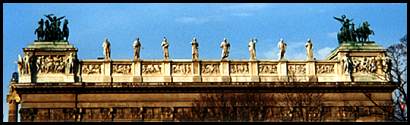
x,y
160,90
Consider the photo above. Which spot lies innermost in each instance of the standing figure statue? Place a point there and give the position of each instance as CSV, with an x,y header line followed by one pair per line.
x,y
39,31
47,33
27,65
137,47
282,48
65,32
252,50
347,64
70,63
309,49
55,26
195,53
165,45
20,64
225,49
106,46
345,33
387,66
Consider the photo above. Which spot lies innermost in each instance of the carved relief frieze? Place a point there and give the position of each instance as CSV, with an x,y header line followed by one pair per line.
x,y
121,68
137,113
364,64
42,115
27,114
91,69
297,68
152,113
325,68
51,64
56,114
210,68
239,68
167,113
268,68
181,68
151,68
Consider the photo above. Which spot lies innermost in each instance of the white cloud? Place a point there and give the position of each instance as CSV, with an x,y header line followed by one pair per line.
x,y
323,52
194,20
245,6
243,10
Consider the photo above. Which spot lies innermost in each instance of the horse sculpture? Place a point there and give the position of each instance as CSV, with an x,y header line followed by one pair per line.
x,y
363,32
39,31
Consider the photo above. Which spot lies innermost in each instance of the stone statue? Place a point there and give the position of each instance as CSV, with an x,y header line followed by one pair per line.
x,y
20,65
106,46
252,51
39,31
225,48
309,49
137,47
195,53
165,45
70,63
282,48
65,32
27,65
39,63
347,65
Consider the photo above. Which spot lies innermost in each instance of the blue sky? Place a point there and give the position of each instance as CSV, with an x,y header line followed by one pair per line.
x,y
121,23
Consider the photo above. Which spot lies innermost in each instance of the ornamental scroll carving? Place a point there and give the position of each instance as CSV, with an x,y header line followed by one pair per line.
x,y
364,64
324,68
121,68
239,68
210,69
151,68
268,69
91,69
297,68
181,68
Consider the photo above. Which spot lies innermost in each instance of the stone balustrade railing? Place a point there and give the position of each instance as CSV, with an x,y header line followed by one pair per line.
x,y
212,71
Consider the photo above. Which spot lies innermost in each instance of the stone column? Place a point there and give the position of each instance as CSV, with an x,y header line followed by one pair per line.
x,y
13,107
166,70
311,71
107,71
224,67
283,70
196,71
13,99
136,71
254,71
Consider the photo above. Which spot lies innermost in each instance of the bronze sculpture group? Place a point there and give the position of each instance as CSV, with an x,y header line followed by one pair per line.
x,y
52,30
348,33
